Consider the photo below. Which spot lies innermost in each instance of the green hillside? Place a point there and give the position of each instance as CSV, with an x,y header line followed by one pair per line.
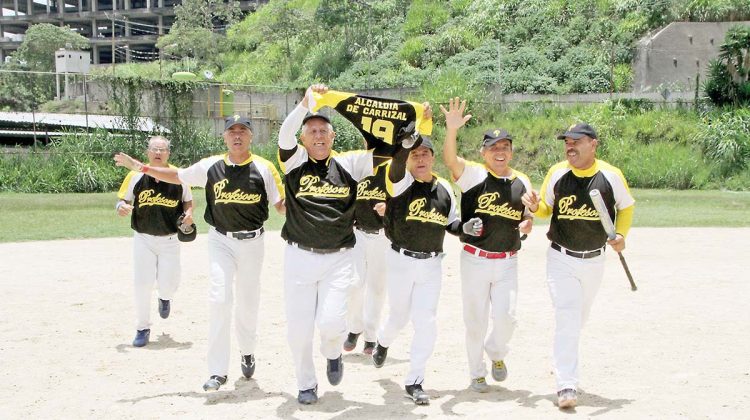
x,y
529,46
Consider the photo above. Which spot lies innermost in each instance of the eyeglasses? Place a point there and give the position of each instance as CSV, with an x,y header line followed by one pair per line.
x,y
158,149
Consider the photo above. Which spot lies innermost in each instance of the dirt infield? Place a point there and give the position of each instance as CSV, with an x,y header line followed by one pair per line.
x,y
677,348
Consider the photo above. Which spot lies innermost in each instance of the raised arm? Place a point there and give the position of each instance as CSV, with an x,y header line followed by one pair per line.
x,y
454,120
162,174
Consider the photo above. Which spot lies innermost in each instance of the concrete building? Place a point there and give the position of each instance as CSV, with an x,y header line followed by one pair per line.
x,y
134,24
672,57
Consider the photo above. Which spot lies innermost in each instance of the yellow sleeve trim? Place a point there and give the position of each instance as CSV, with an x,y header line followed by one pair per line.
x,y
124,187
388,183
623,220
274,173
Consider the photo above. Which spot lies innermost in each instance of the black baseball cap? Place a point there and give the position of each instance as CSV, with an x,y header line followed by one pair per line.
x,y
315,115
495,135
576,131
236,119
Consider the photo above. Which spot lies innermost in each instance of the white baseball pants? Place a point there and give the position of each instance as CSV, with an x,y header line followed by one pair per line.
x,y
315,292
488,283
413,293
367,293
156,259
573,284
235,267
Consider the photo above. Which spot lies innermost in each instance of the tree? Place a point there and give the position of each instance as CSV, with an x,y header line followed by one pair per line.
x,y
198,31
728,79
40,43
24,91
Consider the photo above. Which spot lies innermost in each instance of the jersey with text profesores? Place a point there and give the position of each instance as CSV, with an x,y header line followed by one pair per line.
x,y
237,195
320,197
378,119
416,216
497,201
575,222
370,191
156,205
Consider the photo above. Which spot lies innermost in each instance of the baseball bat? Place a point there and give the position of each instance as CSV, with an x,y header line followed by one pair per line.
x,y
609,228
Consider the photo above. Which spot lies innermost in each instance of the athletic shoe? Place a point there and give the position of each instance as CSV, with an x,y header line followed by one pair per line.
x,y
499,370
479,385
141,338
248,365
164,308
567,398
351,342
308,396
214,383
369,347
379,355
335,371
417,394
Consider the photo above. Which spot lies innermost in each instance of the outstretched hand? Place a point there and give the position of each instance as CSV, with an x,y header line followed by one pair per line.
x,y
454,115
121,159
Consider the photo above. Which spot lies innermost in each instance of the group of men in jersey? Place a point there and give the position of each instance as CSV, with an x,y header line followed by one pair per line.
x,y
358,230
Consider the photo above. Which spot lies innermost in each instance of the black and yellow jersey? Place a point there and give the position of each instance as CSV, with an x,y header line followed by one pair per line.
x,y
156,205
237,195
370,191
320,197
575,222
418,212
497,201
378,119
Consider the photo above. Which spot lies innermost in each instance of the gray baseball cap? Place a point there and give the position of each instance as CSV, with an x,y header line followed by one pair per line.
x,y
495,135
311,115
236,119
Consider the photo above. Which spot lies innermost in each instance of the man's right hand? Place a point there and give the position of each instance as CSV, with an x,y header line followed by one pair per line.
x,y
124,209
454,115
531,200
121,159
317,88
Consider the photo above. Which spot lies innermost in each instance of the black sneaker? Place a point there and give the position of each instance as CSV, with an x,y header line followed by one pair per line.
x,y
379,355
164,308
417,394
141,338
308,396
351,342
248,365
335,371
369,347
214,383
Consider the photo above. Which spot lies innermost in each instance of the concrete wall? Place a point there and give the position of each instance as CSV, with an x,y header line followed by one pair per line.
x,y
672,57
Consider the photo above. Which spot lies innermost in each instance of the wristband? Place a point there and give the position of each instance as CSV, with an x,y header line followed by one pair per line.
x,y
144,168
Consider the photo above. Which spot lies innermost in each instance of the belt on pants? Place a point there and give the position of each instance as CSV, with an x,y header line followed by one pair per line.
x,y
368,231
317,250
414,254
576,254
245,234
486,254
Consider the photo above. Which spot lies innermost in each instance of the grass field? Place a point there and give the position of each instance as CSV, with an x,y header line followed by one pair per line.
x,y
32,217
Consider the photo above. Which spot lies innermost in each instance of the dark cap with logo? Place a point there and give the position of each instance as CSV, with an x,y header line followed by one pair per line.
x,y
236,119
310,116
577,131
495,135
186,233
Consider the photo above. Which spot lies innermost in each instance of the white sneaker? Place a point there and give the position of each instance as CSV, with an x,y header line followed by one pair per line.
x,y
567,398
479,385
